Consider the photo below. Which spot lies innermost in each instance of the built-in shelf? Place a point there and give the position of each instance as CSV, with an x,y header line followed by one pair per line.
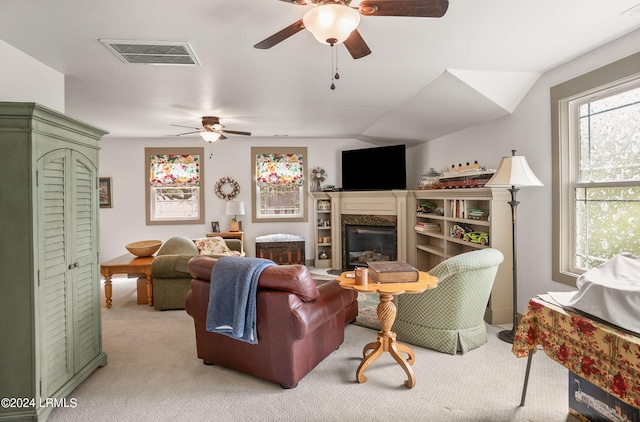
x,y
322,206
432,249
448,208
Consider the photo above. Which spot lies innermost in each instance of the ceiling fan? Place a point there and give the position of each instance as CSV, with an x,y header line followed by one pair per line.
x,y
334,21
212,130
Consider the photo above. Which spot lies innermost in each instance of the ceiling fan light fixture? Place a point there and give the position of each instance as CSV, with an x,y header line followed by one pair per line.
x,y
331,22
209,136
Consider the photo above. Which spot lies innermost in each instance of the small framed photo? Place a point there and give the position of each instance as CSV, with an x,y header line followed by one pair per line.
x,y
215,227
105,192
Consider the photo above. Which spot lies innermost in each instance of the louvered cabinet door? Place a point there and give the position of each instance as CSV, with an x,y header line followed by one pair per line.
x,y
56,359
70,319
83,253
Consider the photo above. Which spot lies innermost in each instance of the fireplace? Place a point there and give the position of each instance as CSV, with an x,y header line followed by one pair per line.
x,y
369,243
386,209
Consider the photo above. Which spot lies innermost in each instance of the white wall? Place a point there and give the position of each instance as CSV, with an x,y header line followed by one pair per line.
x,y
527,130
123,160
28,80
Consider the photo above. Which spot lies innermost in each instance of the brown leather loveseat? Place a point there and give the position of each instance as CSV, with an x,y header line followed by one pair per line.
x,y
298,324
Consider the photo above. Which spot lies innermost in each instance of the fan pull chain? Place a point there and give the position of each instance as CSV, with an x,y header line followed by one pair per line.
x,y
333,86
337,75
334,62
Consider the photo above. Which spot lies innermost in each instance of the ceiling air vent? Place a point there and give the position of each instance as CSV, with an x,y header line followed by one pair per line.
x,y
153,52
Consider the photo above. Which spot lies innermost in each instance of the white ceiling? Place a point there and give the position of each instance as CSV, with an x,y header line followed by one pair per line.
x,y
425,77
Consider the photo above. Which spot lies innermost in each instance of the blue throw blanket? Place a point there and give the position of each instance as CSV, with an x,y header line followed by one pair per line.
x,y
232,298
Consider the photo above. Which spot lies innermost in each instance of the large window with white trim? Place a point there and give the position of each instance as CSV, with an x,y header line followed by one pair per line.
x,y
597,174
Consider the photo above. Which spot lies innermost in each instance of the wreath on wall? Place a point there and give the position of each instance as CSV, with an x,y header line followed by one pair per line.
x,y
220,191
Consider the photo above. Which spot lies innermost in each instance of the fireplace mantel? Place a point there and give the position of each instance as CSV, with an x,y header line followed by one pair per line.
x,y
392,202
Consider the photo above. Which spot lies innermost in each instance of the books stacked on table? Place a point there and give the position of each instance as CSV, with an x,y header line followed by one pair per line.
x,y
393,272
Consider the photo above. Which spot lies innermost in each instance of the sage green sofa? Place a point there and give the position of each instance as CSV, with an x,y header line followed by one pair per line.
x,y
450,318
171,277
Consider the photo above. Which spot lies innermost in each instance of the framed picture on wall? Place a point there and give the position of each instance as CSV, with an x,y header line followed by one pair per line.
x,y
105,192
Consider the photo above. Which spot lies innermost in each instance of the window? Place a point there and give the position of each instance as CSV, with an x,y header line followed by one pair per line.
x,y
279,191
173,185
596,139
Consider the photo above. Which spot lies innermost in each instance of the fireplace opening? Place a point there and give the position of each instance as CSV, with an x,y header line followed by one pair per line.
x,y
369,243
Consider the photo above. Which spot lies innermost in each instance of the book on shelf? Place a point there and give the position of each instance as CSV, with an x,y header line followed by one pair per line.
x,y
459,208
476,214
393,272
427,227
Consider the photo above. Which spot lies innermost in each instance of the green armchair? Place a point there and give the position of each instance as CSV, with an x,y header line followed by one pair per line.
x,y
450,318
171,277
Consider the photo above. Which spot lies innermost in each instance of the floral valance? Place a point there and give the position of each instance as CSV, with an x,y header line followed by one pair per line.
x,y
174,170
279,169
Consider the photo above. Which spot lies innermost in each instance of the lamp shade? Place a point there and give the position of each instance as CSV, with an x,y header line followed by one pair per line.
x,y
331,22
513,171
235,208
209,136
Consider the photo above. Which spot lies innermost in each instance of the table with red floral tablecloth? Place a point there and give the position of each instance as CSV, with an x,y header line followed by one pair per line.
x,y
604,355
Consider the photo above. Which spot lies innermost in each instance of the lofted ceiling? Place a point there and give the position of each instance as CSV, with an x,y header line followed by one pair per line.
x,y
425,78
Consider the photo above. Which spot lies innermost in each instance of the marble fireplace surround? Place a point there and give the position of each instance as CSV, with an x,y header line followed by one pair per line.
x,y
364,207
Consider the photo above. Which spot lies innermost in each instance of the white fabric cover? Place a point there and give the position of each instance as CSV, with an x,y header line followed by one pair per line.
x,y
610,292
280,237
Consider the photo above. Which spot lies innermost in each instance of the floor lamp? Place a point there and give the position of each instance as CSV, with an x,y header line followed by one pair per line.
x,y
513,171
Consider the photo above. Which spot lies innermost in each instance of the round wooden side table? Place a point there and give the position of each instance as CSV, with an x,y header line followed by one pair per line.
x,y
386,341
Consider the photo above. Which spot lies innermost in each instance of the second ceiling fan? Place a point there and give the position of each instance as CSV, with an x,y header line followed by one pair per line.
x,y
334,21
212,130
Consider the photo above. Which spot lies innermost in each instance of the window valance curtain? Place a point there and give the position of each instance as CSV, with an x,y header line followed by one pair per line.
x,y
279,170
175,170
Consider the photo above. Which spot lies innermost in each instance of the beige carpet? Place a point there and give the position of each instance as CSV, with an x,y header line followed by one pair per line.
x,y
153,374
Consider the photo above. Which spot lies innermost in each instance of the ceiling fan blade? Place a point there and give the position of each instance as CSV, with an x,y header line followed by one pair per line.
x,y
298,2
235,132
222,137
280,36
413,8
188,127
356,45
186,133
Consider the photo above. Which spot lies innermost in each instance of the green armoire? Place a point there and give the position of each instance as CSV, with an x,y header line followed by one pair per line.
x,y
50,325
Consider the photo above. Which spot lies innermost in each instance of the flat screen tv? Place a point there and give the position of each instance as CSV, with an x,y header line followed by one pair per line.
x,y
381,168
